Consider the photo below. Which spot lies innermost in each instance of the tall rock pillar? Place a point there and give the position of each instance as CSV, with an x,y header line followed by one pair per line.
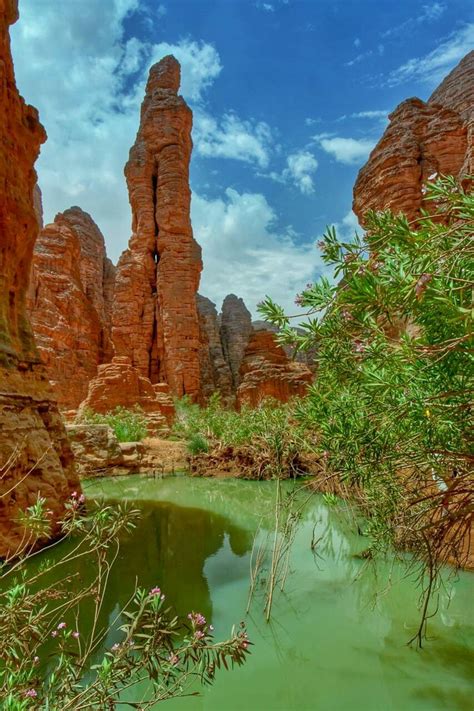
x,y
155,318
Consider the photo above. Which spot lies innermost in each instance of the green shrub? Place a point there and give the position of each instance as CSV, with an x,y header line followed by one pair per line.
x,y
53,657
197,443
393,340
128,425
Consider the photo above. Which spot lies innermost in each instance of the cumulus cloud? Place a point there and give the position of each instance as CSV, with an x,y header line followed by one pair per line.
x,y
432,67
232,137
301,167
87,82
350,151
244,251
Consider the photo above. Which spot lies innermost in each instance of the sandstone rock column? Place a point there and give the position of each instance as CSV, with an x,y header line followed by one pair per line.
x,y
155,318
422,138
35,456
236,327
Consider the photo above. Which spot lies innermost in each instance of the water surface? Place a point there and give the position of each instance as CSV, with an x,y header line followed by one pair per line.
x,y
337,639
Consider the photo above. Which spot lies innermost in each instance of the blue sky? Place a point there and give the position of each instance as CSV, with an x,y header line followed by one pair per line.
x,y
289,97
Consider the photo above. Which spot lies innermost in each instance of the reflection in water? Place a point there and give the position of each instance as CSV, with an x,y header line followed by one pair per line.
x,y
337,640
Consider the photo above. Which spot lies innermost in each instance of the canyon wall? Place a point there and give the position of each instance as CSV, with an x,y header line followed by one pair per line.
x,y
155,316
422,138
70,303
35,456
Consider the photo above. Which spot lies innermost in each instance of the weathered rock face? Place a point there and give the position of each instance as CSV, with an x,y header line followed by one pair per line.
x,y
236,327
119,384
267,372
422,138
35,456
216,374
155,318
70,303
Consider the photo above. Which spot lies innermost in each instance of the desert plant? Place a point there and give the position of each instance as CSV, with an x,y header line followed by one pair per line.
x,y
49,659
128,425
390,407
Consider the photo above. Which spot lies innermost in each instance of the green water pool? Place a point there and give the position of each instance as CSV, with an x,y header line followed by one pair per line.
x,y
337,638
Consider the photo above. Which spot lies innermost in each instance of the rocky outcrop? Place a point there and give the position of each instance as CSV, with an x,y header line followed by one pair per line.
x,y
236,327
35,456
155,318
119,384
421,139
267,372
216,374
70,303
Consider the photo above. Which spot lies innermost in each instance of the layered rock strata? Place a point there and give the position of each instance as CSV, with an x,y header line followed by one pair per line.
x,y
155,317
216,374
70,303
421,139
35,455
119,384
236,327
241,360
267,372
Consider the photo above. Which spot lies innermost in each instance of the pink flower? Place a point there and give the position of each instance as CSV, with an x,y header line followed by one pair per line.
x,y
31,693
155,591
61,626
299,300
115,647
74,495
173,659
322,245
199,634
197,619
75,635
54,633
82,498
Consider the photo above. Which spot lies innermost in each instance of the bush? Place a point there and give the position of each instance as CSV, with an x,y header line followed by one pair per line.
x,y
269,434
390,406
50,658
128,425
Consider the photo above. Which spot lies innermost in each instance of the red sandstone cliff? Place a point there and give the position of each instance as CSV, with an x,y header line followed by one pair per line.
x,y
422,138
70,303
267,372
155,317
35,456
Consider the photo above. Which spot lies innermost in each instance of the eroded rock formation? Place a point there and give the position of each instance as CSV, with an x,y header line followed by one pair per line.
x,y
241,359
236,327
35,456
119,384
216,374
267,372
155,318
421,139
70,303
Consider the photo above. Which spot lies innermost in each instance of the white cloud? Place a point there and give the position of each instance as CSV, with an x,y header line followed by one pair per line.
x,y
348,226
357,42
232,137
375,114
350,151
244,252
267,6
433,67
301,166
429,13
88,83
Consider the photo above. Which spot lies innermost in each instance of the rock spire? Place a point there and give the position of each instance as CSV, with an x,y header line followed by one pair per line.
x,y
155,316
